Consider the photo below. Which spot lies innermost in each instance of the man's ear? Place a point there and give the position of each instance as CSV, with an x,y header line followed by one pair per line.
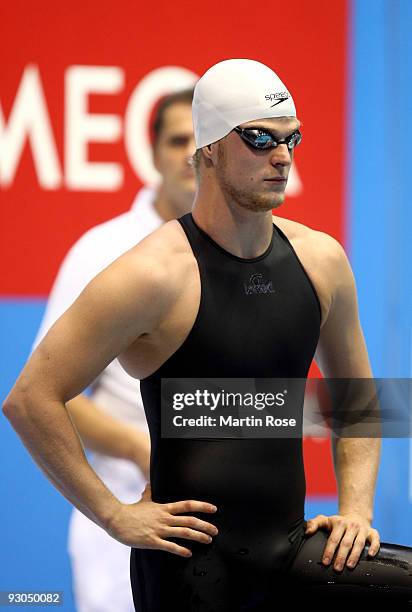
x,y
209,152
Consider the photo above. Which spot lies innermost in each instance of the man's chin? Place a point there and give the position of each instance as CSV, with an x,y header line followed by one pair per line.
x,y
278,200
268,203
254,201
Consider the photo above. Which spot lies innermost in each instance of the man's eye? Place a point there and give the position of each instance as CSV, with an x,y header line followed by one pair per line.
x,y
178,141
263,138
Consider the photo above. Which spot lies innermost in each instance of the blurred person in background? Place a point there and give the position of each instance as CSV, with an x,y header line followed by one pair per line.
x,y
111,420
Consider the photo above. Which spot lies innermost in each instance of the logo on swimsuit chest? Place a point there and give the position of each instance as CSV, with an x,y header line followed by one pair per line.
x,y
257,285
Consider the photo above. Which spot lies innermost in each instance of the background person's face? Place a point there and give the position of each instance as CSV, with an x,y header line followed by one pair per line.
x,y
244,174
175,145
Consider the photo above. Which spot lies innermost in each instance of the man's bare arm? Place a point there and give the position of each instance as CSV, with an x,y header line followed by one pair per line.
x,y
127,299
102,433
98,431
113,310
342,353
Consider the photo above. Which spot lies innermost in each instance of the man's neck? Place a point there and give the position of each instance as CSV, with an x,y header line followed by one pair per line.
x,y
242,232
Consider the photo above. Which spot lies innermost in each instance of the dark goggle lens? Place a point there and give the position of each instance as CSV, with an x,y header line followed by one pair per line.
x,y
293,140
264,140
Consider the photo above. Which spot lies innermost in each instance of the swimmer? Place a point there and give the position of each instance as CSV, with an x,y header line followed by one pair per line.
x,y
227,290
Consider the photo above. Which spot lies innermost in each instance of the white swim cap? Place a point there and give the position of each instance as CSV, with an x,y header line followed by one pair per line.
x,y
235,91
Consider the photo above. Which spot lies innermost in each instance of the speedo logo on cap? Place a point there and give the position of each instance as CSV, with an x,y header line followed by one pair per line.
x,y
280,97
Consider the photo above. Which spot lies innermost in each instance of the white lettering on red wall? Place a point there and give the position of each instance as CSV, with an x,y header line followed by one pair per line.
x,y
29,121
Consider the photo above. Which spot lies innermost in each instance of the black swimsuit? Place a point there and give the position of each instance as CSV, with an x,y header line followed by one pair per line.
x,y
257,318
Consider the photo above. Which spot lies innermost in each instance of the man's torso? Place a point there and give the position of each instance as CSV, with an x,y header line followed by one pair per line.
x,y
182,284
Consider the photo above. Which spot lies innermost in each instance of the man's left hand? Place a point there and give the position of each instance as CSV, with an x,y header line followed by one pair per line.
x,y
349,532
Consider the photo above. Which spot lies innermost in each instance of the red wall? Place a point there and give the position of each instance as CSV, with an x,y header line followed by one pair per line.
x,y
304,42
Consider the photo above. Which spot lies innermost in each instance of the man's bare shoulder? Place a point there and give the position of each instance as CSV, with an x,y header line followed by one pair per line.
x,y
324,259
138,289
167,239
158,264
166,250
318,245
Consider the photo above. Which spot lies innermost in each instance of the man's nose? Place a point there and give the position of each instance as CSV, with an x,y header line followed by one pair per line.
x,y
281,155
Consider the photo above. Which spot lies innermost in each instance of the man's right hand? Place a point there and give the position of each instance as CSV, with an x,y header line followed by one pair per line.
x,y
146,524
